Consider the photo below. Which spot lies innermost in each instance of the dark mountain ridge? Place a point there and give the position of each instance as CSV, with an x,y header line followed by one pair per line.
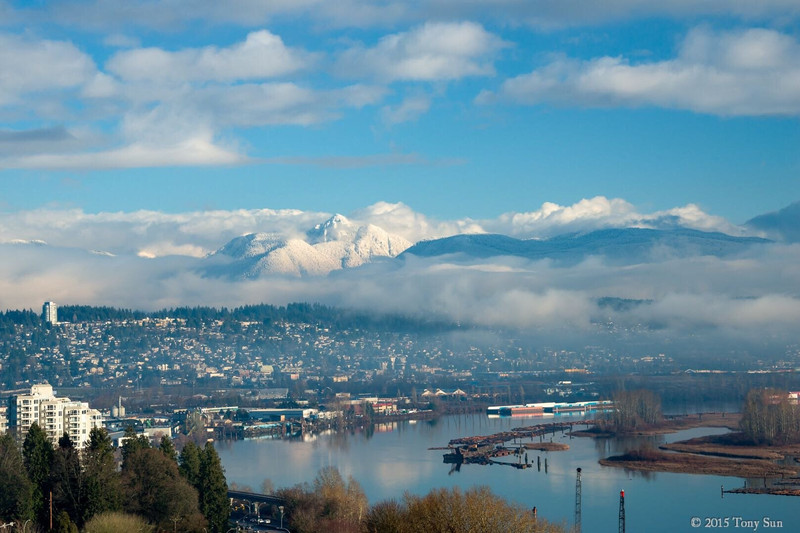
x,y
623,245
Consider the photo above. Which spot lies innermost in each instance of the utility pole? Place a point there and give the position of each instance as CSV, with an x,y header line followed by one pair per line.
x,y
622,511
578,502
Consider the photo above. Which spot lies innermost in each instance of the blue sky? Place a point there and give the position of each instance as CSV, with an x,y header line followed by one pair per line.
x,y
137,138
457,109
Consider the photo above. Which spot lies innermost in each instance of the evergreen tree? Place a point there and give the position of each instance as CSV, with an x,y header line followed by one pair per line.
x,y
102,481
132,444
16,490
167,447
190,463
213,490
66,479
64,524
37,453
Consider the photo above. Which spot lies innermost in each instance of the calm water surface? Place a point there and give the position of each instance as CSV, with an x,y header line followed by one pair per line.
x,y
396,458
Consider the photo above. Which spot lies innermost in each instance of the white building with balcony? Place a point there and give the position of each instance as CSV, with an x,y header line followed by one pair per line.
x,y
55,416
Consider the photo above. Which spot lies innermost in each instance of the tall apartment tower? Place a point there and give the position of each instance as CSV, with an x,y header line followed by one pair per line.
x,y
55,416
50,312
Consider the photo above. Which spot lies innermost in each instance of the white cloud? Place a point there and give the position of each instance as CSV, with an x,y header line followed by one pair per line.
x,y
261,55
601,212
409,109
431,52
400,219
277,103
750,72
195,151
150,233
197,233
158,108
698,299
31,66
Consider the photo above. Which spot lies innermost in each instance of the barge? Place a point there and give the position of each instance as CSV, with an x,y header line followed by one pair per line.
x,y
548,408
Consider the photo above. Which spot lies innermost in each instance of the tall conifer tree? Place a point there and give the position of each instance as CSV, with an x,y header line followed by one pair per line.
x,y
37,452
102,484
190,463
213,490
16,491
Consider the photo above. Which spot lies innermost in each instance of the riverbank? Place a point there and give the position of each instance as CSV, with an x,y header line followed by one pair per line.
x,y
683,463
720,455
732,445
670,424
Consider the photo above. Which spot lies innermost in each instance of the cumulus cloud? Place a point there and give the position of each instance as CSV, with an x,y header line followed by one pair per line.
x,y
152,233
153,107
156,260
745,72
701,301
279,103
400,219
34,66
601,212
261,55
431,52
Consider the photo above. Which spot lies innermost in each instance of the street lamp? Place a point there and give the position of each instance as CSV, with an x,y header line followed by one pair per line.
x,y
25,525
280,508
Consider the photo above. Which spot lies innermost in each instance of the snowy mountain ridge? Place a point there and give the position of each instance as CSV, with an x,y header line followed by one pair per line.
x,y
331,245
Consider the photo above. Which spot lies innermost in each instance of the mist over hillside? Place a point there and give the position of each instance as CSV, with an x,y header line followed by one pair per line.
x,y
706,282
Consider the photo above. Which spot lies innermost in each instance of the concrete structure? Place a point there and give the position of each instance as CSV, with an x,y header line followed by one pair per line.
x,y
50,312
55,416
3,419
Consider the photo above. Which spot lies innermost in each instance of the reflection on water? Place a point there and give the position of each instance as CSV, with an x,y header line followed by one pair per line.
x,y
607,447
394,458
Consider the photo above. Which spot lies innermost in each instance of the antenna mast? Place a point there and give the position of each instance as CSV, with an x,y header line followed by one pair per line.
x,y
578,503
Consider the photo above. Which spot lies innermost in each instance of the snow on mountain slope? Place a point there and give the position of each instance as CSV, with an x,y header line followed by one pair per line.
x,y
336,228
296,257
332,245
252,245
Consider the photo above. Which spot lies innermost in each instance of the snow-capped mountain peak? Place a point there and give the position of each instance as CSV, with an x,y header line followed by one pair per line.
x,y
331,245
252,245
336,228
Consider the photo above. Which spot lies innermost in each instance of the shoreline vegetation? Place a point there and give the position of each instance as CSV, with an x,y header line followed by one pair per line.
x,y
729,454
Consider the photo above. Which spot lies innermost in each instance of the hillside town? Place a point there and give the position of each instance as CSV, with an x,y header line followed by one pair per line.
x,y
307,352
249,371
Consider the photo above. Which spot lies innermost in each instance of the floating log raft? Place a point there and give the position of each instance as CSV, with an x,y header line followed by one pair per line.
x,y
484,449
528,432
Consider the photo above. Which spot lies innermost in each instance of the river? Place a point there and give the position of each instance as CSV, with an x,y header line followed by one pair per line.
x,y
396,458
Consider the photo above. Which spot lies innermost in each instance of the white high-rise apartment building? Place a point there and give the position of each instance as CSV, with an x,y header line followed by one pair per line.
x,y
50,312
55,416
